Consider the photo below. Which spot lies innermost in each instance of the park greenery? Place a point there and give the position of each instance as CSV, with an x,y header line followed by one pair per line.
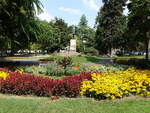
x,y
64,105
93,73
22,30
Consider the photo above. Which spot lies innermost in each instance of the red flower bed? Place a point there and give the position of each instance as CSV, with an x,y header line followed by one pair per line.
x,y
23,84
26,84
70,86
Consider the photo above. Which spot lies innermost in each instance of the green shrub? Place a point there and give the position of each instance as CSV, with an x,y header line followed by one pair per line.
x,y
36,70
65,62
54,70
138,63
70,71
103,68
91,51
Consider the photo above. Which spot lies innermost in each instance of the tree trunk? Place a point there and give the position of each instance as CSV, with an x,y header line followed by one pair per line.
x,y
147,45
12,48
110,52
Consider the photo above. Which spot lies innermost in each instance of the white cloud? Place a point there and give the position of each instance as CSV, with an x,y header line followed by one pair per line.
x,y
45,16
70,10
91,4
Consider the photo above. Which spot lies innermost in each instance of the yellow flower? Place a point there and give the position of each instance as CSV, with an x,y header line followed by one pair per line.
x,y
4,75
117,84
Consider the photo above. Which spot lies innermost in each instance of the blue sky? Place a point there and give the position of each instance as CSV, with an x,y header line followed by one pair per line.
x,y
71,10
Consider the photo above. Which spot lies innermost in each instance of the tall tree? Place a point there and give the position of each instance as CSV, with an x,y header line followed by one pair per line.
x,y
17,19
139,21
85,34
62,33
83,21
110,24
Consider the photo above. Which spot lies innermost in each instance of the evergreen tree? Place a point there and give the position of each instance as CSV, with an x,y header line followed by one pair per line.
x,y
85,34
110,25
83,21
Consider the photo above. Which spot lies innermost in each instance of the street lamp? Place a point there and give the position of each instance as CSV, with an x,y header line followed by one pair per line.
x,y
148,37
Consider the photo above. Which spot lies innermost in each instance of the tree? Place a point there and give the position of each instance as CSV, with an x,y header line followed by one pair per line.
x,y
139,23
46,38
85,34
54,35
83,21
63,33
110,25
17,21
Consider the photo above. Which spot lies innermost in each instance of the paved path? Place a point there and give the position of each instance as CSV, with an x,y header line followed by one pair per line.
x,y
22,61
106,61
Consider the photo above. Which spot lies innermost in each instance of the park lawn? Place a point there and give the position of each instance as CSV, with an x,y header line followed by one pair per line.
x,y
14,104
130,57
80,59
86,59
76,59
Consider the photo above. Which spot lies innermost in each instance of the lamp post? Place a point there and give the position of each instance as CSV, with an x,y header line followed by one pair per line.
x,y
148,37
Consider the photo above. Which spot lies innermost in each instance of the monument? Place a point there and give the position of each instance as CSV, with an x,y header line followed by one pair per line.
x,y
70,50
72,45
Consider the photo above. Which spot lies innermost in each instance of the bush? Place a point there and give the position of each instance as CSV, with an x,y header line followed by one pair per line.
x,y
138,63
70,71
91,51
36,70
103,68
54,70
65,62
113,85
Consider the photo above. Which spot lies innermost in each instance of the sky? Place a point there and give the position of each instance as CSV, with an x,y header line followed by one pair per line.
x,y
71,10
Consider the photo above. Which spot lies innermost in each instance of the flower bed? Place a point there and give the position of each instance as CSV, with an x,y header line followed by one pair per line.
x,y
25,84
104,85
111,85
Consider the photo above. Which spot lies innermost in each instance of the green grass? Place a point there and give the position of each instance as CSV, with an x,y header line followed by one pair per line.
x,y
128,57
82,59
86,59
11,104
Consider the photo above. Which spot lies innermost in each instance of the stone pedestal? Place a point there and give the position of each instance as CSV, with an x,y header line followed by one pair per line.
x,y
70,50
72,45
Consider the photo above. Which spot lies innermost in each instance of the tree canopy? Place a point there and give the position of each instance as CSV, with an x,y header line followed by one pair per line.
x,y
139,21
110,25
18,22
